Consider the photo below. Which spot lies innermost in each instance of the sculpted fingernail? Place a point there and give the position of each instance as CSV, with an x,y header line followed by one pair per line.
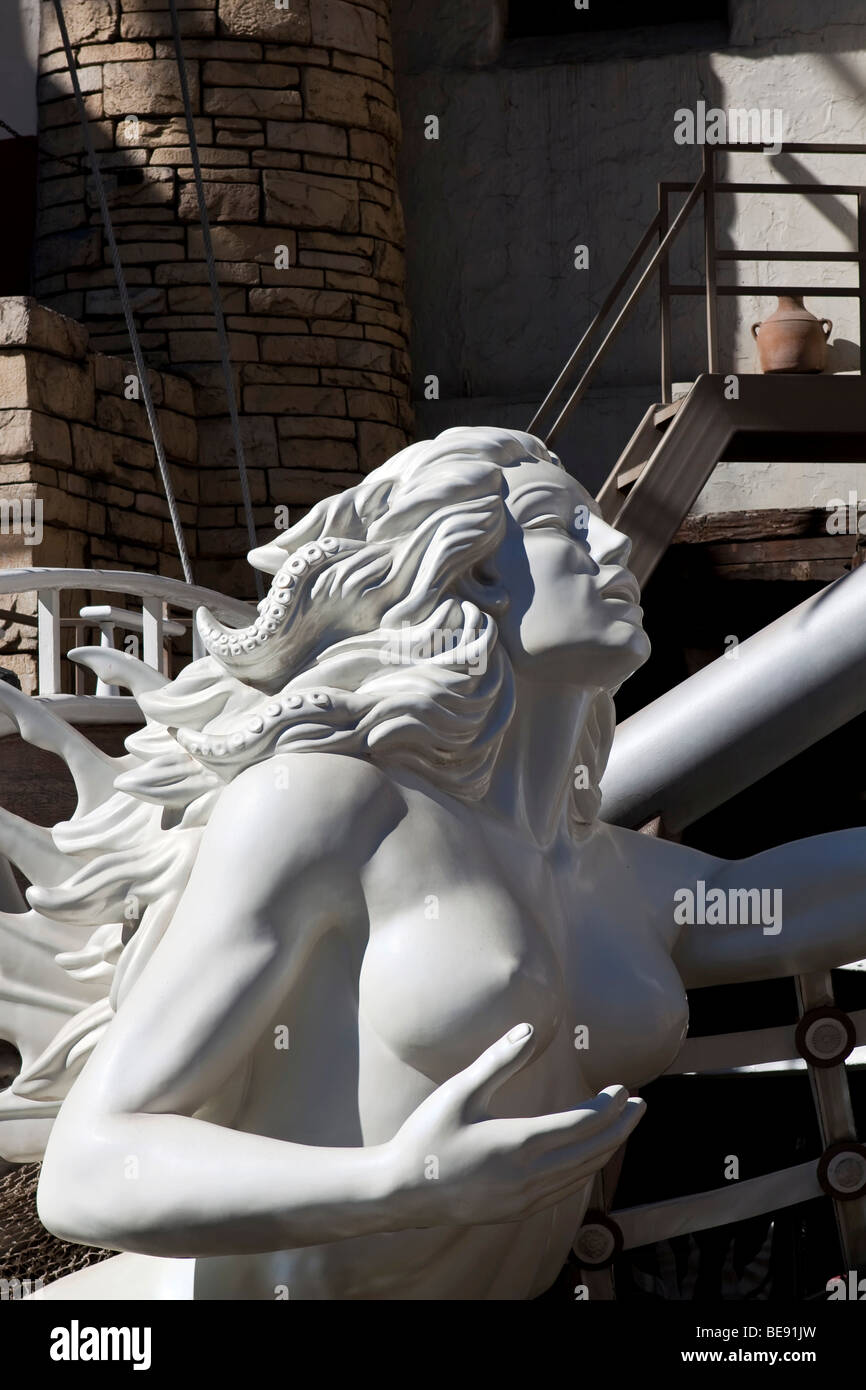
x,y
519,1033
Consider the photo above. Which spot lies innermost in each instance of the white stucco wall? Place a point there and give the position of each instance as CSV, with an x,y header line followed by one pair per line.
x,y
821,94
19,52
543,147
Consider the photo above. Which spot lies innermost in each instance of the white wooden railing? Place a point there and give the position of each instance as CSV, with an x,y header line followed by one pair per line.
x,y
152,596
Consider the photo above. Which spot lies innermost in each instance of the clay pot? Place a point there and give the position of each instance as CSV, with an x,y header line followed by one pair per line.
x,y
792,339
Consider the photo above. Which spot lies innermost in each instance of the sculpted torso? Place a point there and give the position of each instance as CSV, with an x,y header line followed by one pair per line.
x,y
435,964
417,984
438,956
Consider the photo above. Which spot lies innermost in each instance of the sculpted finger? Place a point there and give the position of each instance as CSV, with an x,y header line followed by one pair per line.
x,y
585,1120
563,1179
591,1153
475,1085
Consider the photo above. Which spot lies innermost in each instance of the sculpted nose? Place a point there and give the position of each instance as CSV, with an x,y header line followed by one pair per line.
x,y
608,547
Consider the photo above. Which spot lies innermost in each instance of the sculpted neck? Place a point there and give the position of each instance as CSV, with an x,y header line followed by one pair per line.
x,y
532,780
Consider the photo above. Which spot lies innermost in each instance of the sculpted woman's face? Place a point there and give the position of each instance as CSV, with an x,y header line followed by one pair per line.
x,y
574,615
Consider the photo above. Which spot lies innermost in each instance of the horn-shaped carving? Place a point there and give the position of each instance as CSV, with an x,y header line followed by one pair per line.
x,y
119,668
238,649
92,770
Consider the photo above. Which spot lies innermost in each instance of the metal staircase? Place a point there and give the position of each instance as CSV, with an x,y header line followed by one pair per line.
x,y
677,444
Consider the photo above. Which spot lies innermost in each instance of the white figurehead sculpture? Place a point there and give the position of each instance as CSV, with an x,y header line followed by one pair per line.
x,y
301,978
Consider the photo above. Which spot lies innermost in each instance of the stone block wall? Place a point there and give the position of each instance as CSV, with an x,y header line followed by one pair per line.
x,y
297,126
79,485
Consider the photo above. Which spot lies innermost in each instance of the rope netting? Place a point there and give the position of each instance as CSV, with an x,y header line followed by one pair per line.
x,y
27,1251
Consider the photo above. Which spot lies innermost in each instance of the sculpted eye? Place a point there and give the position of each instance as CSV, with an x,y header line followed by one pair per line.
x,y
549,521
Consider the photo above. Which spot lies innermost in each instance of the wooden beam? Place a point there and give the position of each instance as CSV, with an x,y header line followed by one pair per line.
x,y
801,548
752,525
785,571
793,547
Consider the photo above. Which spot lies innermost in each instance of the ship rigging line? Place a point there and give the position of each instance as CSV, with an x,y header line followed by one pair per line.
x,y
219,317
141,365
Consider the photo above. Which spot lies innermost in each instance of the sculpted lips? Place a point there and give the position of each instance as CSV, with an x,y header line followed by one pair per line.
x,y
622,585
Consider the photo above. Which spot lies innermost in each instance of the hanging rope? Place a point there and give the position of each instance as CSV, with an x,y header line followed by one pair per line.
x,y
140,364
215,290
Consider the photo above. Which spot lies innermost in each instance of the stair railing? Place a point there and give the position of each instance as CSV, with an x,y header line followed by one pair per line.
x,y
568,371
711,290
547,424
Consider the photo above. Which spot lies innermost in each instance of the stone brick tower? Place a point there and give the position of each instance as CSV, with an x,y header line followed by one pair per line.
x,y
297,128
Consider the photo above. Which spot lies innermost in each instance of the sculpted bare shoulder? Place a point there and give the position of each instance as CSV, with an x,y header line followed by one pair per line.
x,y
299,810
279,862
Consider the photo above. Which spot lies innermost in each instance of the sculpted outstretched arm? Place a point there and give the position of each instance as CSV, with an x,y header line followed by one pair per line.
x,y
131,1165
806,906
787,911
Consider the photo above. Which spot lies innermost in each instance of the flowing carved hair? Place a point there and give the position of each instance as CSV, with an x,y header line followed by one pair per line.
x,y
346,656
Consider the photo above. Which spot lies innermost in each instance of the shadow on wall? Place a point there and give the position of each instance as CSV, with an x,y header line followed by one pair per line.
x,y
535,152
532,162
19,41
814,80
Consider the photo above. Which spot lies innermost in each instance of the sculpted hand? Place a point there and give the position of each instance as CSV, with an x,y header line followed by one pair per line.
x,y
491,1170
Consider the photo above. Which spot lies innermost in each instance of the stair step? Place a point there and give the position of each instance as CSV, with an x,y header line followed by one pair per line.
x,y
629,477
665,413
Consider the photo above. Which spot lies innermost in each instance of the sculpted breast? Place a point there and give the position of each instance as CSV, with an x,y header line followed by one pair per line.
x,y
630,1003
440,984
626,992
